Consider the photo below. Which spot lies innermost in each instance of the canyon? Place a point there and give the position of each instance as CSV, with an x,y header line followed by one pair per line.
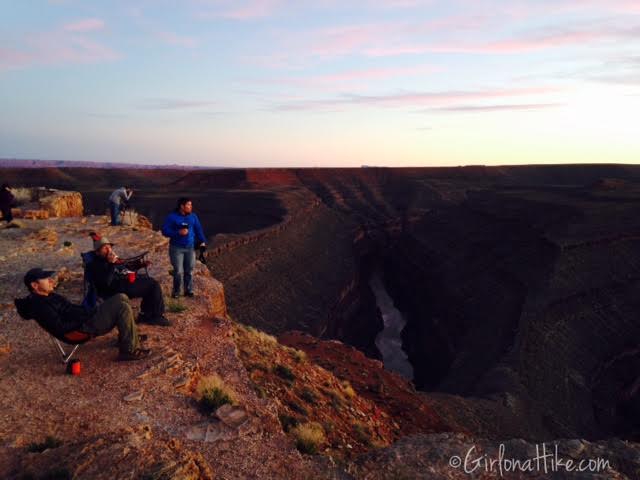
x,y
518,285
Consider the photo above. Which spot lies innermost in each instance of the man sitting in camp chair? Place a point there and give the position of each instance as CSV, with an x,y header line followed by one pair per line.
x,y
111,275
65,320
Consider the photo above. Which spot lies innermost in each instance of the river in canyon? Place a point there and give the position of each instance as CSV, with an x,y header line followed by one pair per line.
x,y
389,340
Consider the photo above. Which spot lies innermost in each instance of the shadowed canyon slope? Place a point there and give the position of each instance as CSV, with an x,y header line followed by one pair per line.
x,y
519,285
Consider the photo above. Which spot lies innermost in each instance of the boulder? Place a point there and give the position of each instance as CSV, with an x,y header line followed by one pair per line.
x,y
36,214
62,204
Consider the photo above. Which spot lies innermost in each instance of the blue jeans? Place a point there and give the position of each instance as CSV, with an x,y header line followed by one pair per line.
x,y
183,260
114,208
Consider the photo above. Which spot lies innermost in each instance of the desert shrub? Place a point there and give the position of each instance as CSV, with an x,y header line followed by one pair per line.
x,y
348,390
175,306
298,355
308,395
309,437
362,433
261,392
49,442
328,426
284,372
212,393
287,421
337,401
261,336
296,407
257,366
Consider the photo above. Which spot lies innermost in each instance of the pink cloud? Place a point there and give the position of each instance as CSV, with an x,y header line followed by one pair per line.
x,y
545,40
177,40
247,10
10,59
56,48
85,25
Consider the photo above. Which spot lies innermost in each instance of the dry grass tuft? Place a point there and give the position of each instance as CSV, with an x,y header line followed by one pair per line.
x,y
212,393
347,389
309,437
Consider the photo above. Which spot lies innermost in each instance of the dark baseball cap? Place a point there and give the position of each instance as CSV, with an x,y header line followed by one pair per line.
x,y
36,274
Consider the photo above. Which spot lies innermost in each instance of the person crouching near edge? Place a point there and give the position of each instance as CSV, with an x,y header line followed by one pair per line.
x,y
183,227
105,273
117,200
55,314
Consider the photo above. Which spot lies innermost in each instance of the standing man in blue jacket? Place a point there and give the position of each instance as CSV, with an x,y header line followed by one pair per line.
x,y
183,228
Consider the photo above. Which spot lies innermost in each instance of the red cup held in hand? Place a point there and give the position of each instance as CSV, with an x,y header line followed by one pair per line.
x,y
131,276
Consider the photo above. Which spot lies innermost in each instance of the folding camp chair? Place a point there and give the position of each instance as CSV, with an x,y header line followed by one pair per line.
x,y
74,340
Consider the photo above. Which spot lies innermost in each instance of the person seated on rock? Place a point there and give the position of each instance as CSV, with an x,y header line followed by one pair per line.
x,y
58,316
109,275
7,200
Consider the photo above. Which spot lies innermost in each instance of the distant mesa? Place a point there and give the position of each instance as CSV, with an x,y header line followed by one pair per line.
x,y
34,163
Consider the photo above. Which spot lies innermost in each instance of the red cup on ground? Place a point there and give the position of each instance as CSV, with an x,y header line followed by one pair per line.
x,y
74,367
131,276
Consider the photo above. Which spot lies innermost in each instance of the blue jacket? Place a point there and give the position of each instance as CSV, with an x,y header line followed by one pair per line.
x,y
174,222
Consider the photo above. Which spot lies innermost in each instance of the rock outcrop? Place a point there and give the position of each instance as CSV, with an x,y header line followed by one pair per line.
x,y
42,203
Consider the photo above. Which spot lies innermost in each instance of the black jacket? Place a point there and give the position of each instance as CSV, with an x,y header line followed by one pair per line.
x,y
108,277
54,313
7,199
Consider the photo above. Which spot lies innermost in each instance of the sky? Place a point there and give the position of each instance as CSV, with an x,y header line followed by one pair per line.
x,y
325,83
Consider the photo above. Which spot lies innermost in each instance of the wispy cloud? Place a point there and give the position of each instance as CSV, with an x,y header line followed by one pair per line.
x,y
173,104
545,39
246,10
174,39
85,25
493,108
342,78
412,99
69,44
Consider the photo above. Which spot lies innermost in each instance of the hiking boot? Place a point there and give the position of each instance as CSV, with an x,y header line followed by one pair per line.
x,y
189,294
137,354
175,295
160,320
